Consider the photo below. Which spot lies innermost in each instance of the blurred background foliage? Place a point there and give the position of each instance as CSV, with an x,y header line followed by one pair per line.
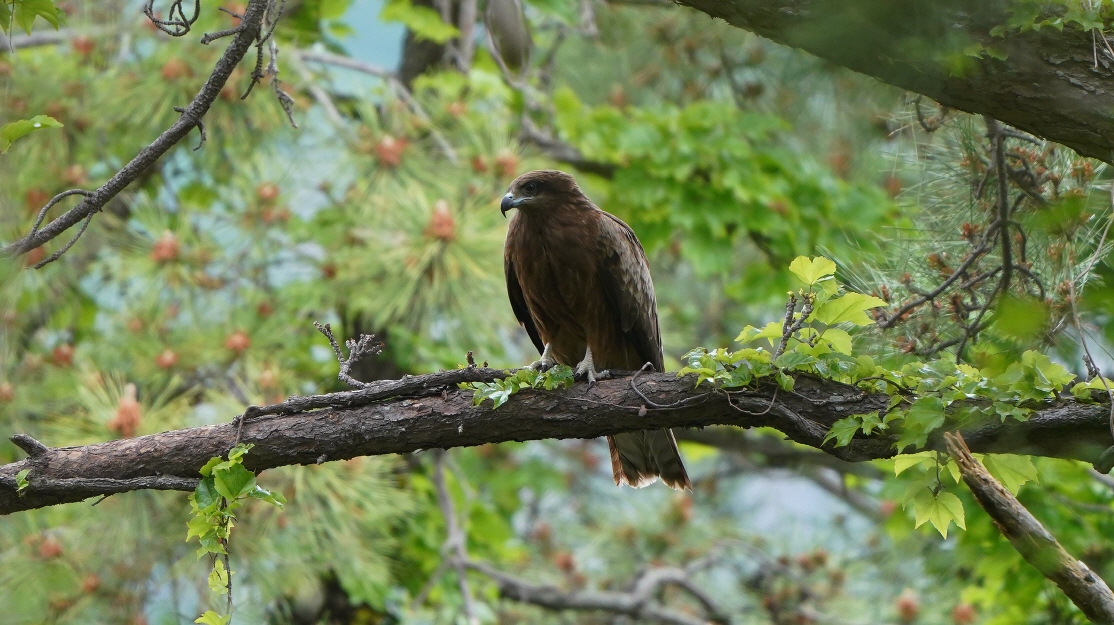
x,y
193,294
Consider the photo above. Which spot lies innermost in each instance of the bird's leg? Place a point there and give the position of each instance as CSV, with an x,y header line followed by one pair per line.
x,y
586,369
545,362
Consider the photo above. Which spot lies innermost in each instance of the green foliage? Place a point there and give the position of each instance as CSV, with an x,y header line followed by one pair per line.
x,y
23,13
499,391
224,486
21,482
422,21
707,175
14,130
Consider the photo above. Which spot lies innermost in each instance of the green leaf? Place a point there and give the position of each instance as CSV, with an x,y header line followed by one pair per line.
x,y
212,618
21,482
940,510
1049,375
812,270
273,498
926,414
770,331
27,10
843,431
218,577
234,481
423,21
851,308
840,340
206,494
17,129
1012,471
790,360
907,461
784,380
207,470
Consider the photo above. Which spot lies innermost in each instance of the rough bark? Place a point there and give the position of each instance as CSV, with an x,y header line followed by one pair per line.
x,y
1039,548
1054,84
439,415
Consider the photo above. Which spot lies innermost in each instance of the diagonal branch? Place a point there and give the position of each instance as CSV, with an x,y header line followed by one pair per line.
x,y
1039,548
190,119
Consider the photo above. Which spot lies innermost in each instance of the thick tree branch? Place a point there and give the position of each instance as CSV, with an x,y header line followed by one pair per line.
x,y
1039,548
191,117
429,412
1051,83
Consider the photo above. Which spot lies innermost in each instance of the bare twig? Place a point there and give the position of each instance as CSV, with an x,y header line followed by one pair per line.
x,y
789,325
639,603
367,345
1039,548
454,549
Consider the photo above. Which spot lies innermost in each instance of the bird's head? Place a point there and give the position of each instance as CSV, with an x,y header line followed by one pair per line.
x,y
538,191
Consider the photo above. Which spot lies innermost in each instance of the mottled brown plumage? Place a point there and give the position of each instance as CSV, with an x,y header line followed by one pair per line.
x,y
580,285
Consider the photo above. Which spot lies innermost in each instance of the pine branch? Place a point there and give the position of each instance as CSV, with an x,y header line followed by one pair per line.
x,y
191,117
430,412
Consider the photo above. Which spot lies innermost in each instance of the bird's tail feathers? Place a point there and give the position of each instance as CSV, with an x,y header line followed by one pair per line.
x,y
639,458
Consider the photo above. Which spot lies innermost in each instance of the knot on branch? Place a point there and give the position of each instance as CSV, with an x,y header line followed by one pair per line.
x,y
33,447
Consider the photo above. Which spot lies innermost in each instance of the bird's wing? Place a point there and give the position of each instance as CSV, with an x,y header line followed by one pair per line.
x,y
518,304
625,276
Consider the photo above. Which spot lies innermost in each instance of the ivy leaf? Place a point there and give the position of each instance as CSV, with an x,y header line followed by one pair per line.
x,y
1012,471
212,618
811,271
908,461
234,481
207,470
926,414
1049,375
27,10
206,493
843,431
271,497
940,510
793,359
839,339
784,380
770,331
21,482
851,308
218,578
17,129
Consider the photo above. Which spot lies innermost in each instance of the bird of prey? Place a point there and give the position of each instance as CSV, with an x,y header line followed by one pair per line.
x,y
580,285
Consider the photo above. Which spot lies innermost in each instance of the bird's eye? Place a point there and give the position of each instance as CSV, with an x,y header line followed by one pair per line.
x,y
530,188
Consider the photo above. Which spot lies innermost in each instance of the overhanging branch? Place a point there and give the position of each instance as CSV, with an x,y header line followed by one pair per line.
x,y
1055,84
429,412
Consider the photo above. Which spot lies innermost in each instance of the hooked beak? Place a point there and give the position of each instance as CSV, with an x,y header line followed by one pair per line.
x,y
509,202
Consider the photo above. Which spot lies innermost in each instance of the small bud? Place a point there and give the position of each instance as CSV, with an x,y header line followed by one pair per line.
x,y
267,192
167,359
907,606
62,356
441,225
128,414
166,248
964,614
7,392
90,583
50,548
389,151
238,342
